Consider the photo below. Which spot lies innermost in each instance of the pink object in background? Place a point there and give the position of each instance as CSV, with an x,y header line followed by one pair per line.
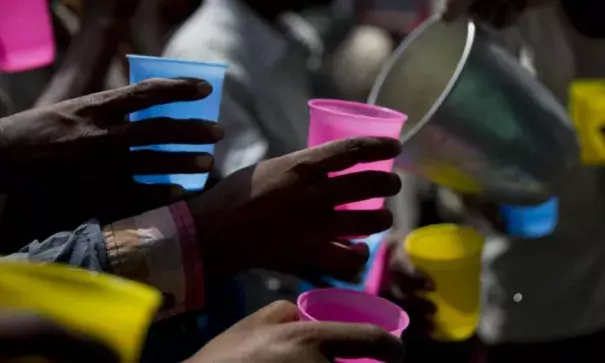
x,y
26,36
376,275
335,119
349,306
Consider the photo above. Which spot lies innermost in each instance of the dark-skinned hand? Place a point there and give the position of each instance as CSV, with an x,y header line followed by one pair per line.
x,y
25,335
70,161
274,335
406,287
280,215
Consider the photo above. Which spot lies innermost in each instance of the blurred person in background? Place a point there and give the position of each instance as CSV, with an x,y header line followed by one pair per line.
x,y
155,21
270,50
87,37
543,298
83,64
355,64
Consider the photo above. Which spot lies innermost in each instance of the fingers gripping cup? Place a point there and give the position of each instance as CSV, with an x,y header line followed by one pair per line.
x,y
349,306
142,68
451,256
334,120
115,311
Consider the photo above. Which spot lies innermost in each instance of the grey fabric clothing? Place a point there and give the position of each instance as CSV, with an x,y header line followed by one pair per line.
x,y
83,248
263,110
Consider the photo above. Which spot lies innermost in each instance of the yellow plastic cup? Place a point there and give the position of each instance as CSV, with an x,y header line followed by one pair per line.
x,y
587,110
115,311
451,256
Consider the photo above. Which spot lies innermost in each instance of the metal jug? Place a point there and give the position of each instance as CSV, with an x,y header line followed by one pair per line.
x,y
478,122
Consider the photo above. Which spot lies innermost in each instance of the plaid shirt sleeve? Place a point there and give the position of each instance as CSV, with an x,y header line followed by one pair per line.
x,y
160,248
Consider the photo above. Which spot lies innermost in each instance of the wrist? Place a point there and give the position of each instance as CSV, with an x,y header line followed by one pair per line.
x,y
219,263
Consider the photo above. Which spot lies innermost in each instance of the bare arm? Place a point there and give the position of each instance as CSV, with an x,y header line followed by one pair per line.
x,y
85,65
89,57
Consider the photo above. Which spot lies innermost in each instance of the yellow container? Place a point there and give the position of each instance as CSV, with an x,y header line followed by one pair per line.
x,y
451,256
587,110
115,311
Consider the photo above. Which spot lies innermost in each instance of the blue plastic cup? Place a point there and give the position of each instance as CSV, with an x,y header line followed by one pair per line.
x,y
142,68
531,222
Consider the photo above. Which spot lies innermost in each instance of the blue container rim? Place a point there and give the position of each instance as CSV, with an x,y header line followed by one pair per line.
x,y
172,60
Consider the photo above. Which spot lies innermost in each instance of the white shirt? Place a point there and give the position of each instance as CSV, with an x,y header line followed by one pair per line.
x,y
264,106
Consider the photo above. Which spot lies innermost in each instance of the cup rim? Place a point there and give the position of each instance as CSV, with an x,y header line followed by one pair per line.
x,y
326,104
404,319
476,240
173,60
416,35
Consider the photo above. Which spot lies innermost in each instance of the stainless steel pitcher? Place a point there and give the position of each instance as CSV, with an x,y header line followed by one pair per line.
x,y
478,122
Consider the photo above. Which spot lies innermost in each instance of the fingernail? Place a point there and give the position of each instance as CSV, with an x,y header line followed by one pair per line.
x,y
204,87
217,132
395,182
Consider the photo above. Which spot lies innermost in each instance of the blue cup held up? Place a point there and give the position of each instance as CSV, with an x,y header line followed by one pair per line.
x,y
142,68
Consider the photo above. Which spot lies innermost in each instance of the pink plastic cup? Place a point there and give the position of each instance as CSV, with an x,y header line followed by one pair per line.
x,y
349,306
26,37
335,119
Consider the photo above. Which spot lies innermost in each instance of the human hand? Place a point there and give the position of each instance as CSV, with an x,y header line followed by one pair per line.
x,y
274,335
280,213
498,13
73,159
23,335
406,287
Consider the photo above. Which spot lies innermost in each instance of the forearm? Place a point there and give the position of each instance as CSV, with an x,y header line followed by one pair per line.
x,y
158,248
85,64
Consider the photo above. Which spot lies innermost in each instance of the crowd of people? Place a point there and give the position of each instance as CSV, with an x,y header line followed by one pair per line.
x,y
66,172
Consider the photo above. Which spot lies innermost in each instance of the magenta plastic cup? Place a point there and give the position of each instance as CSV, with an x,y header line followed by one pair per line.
x,y
335,119
26,35
349,306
